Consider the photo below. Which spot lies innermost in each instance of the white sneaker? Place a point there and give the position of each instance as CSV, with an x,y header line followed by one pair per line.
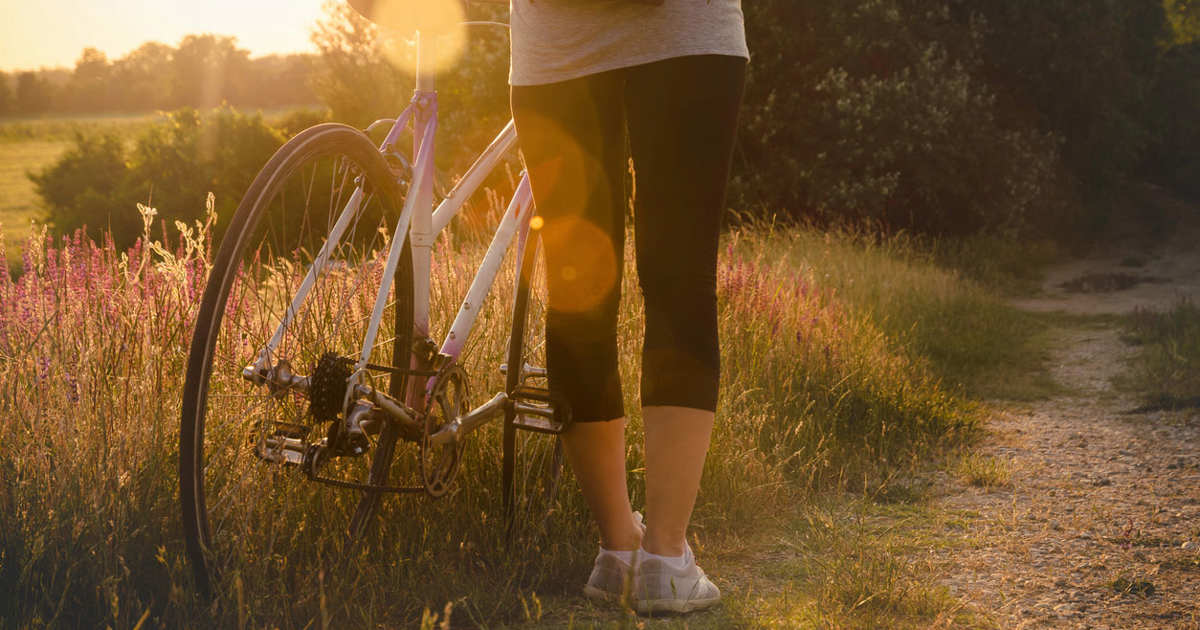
x,y
662,586
612,576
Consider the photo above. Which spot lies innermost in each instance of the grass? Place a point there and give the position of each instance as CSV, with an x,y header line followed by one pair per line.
x,y
961,328
830,384
31,144
825,561
64,128
984,471
1166,370
19,203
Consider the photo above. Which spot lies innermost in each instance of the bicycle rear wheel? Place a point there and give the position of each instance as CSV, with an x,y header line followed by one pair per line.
x,y
248,448
532,458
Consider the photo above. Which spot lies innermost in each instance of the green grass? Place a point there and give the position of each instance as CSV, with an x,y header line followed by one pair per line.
x,y
964,330
824,561
31,144
64,128
983,471
19,203
1165,372
829,385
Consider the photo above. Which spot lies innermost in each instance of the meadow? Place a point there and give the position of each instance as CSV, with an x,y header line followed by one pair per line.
x,y
851,362
31,144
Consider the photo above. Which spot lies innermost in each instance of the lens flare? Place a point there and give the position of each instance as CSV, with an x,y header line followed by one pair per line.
x,y
440,26
586,269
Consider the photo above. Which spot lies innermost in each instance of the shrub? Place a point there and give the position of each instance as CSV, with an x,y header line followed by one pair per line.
x,y
871,110
1081,69
1174,156
172,166
79,189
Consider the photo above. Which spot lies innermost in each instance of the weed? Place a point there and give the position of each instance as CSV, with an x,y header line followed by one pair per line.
x,y
1166,369
984,471
1125,585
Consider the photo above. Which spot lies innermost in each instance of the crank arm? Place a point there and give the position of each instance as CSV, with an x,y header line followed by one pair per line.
x,y
477,417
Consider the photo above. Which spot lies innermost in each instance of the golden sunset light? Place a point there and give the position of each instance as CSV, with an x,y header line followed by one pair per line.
x,y
52,33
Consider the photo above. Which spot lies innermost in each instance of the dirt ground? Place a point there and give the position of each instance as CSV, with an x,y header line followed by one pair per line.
x,y
1100,524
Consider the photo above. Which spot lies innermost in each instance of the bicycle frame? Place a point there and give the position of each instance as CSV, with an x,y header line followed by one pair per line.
x,y
422,222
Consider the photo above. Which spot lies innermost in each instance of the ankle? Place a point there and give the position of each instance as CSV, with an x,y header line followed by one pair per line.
x,y
627,538
660,547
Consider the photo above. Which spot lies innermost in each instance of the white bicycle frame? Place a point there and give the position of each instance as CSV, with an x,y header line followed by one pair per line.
x,y
423,223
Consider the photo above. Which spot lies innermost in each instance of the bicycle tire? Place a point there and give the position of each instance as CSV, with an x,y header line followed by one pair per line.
x,y
211,462
532,462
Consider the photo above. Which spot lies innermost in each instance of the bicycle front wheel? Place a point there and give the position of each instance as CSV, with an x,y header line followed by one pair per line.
x,y
291,293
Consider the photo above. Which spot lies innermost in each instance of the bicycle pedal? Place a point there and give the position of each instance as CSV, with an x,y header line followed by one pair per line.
x,y
283,447
527,371
526,392
537,423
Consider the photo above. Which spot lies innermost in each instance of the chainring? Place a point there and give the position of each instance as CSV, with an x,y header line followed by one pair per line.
x,y
448,401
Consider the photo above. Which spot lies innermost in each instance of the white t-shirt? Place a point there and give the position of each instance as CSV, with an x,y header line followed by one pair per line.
x,y
558,40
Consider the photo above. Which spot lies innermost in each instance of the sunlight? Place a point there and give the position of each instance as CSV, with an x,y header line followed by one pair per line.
x,y
592,272
440,23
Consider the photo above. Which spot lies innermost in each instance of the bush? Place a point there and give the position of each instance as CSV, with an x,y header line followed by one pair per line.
x,y
884,120
1081,69
1174,156
78,190
296,121
172,166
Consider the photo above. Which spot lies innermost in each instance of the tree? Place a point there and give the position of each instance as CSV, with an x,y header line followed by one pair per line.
x,y
352,75
5,95
207,70
1184,18
1083,68
33,93
142,79
280,80
89,86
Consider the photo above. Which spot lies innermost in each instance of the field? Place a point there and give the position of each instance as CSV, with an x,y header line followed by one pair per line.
x,y
842,379
31,144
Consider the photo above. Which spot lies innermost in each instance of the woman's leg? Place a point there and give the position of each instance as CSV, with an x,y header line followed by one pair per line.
x,y
682,114
572,137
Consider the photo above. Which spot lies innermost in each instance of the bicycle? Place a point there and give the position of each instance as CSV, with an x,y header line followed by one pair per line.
x,y
288,381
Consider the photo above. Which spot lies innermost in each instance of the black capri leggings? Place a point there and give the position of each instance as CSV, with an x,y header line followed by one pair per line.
x,y
681,115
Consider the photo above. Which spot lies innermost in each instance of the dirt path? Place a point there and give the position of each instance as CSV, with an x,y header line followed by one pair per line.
x,y
1100,526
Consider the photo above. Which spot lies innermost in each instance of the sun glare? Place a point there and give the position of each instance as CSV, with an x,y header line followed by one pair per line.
x,y
440,25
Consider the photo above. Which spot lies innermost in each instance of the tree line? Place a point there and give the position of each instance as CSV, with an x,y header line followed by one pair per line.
x,y
946,117
202,71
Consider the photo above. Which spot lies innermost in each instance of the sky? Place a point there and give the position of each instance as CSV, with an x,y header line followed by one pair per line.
x,y
49,33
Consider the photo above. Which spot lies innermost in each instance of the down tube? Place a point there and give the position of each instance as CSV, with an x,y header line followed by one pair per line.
x,y
519,211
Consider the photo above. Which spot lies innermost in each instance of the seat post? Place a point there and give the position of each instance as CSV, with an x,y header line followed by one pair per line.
x,y
425,72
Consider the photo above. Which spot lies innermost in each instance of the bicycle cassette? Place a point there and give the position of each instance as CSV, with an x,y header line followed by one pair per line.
x,y
327,386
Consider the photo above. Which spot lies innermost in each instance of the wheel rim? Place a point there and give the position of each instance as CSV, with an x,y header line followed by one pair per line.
x,y
262,516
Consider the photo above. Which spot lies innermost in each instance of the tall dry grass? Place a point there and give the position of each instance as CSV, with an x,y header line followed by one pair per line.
x,y
815,394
